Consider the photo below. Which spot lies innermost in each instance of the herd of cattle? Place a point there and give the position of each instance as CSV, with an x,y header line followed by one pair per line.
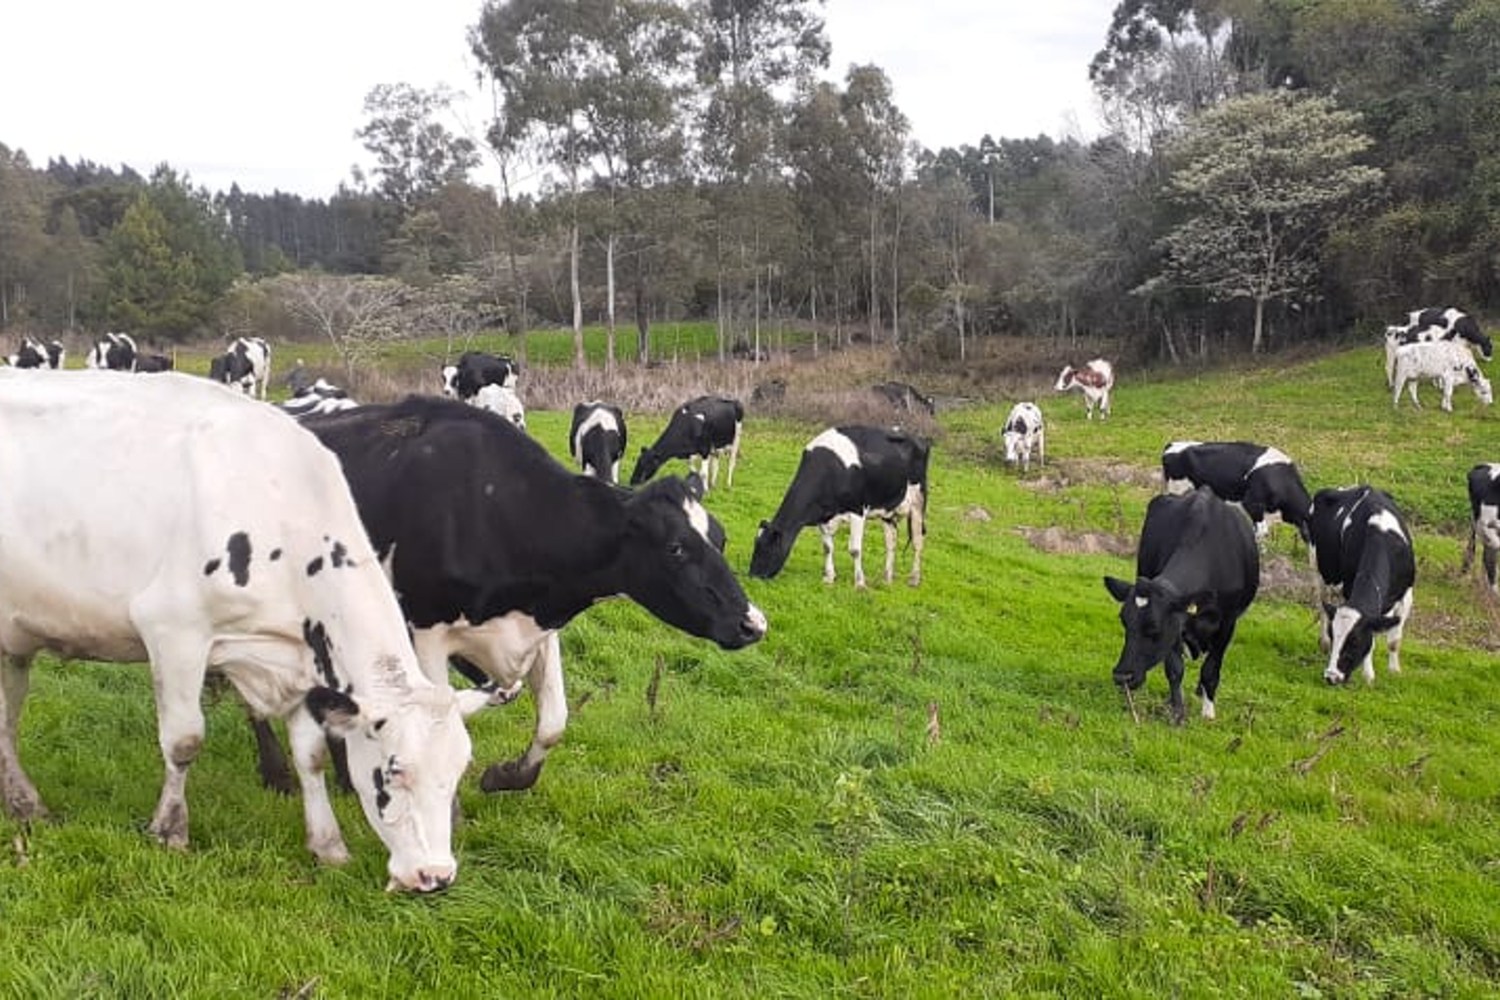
x,y
392,542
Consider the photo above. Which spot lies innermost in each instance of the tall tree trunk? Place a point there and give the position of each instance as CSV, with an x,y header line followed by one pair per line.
x,y
813,303
1260,318
642,321
874,266
580,361
609,282
896,274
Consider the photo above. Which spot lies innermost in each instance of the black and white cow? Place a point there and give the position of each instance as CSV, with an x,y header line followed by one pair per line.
x,y
700,430
905,397
850,474
475,370
35,354
493,546
246,366
1197,570
1024,432
1096,379
1261,479
1484,528
1447,363
1361,545
116,352
597,439
318,396
1425,326
250,562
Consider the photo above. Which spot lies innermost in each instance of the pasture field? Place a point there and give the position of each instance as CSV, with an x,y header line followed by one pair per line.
x,y
900,792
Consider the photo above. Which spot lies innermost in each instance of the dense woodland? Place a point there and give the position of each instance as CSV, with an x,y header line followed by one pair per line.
x,y
1273,171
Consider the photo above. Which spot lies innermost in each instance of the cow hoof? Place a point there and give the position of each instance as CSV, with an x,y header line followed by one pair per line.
x,y
332,853
281,783
509,776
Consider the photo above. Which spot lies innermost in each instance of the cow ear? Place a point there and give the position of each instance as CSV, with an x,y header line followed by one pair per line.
x,y
335,711
1382,623
694,484
1118,589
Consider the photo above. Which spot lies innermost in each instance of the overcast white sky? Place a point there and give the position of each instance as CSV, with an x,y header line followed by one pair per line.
x,y
270,94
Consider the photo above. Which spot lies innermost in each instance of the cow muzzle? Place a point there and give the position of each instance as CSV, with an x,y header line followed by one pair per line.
x,y
423,880
1333,677
1133,679
753,626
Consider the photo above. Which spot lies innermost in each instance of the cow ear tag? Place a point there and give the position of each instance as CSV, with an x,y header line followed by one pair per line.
x,y
1192,609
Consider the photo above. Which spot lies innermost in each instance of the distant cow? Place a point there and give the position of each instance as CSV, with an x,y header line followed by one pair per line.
x,y
231,544
1197,570
246,366
700,430
1447,363
1429,325
501,400
904,397
475,370
151,363
1096,379
1261,479
1484,528
1023,432
1362,545
597,440
35,354
318,396
116,352
850,474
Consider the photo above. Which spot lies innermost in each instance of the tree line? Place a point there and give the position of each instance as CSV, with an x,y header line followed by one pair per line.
x,y
1270,172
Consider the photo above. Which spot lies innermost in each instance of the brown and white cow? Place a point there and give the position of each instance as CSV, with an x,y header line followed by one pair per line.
x,y
1096,379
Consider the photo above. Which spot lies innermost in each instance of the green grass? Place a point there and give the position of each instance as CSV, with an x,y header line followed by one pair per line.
x,y
780,824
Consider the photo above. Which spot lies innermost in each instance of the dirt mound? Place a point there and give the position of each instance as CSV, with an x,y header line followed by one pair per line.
x,y
1091,543
1069,472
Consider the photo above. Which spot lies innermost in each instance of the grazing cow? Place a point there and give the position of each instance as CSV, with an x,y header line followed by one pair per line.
x,y
1484,529
1429,325
1447,363
597,440
850,474
318,396
1197,570
116,352
493,546
1096,379
700,430
1260,479
250,562
1024,431
502,400
246,366
1361,545
35,354
475,370
904,397
151,363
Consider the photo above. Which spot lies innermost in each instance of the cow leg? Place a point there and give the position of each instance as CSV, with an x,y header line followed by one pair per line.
x,y
710,471
545,678
826,532
1208,674
1447,403
21,799
888,527
1041,447
1175,669
1104,405
857,548
178,665
1393,637
1469,548
1489,568
734,455
271,762
310,755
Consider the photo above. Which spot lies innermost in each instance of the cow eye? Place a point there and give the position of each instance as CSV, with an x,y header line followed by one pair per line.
x,y
675,550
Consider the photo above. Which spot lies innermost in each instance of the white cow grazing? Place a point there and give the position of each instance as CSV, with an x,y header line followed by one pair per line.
x,y
502,400
1024,431
1096,379
248,560
1446,362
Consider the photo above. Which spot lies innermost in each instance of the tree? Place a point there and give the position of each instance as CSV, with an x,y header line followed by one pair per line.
x,y
415,155
1263,177
356,313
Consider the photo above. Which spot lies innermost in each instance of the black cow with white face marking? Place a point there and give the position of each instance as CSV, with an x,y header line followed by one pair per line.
x,y
1197,570
492,546
1484,528
700,430
1261,479
475,370
246,366
849,474
597,439
116,353
35,354
1362,546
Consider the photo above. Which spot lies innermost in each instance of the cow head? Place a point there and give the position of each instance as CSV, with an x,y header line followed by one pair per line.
x,y
1065,379
1481,384
773,545
406,757
1157,619
1349,636
673,569
646,466
450,380
1013,436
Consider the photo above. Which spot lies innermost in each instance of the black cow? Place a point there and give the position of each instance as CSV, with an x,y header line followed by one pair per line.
x,y
1261,479
153,363
475,370
701,429
1362,546
246,365
116,352
597,439
904,397
492,546
35,354
1451,324
851,473
1484,505
1197,570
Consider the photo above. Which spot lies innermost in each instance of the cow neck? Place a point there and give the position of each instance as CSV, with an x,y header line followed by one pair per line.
x,y
596,526
358,643
1374,588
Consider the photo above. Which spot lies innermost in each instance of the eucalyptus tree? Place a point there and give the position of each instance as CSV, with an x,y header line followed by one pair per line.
x,y
415,154
22,239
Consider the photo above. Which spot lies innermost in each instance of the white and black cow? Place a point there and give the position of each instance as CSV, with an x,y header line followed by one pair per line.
x,y
597,439
1362,545
501,400
1024,432
250,562
1096,379
1197,570
1260,479
1448,363
1484,528
850,474
318,396
493,546
1431,325
116,352
700,430
246,366
35,354
904,396
475,370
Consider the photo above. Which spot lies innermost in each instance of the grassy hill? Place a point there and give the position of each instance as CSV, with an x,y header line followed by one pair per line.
x,y
787,820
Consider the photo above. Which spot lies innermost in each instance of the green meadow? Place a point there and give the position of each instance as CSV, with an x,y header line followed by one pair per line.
x,y
900,792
